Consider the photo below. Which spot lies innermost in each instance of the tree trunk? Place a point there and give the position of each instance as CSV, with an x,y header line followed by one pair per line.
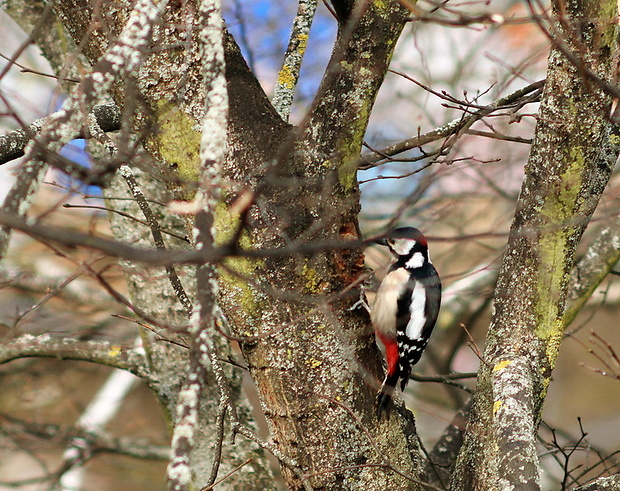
x,y
315,363
568,168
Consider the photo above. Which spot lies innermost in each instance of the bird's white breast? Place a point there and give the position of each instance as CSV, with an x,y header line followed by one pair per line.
x,y
384,309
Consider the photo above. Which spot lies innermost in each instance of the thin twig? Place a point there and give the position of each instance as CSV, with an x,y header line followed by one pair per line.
x,y
236,469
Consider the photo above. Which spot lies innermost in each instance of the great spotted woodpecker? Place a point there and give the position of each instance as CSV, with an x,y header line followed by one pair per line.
x,y
405,308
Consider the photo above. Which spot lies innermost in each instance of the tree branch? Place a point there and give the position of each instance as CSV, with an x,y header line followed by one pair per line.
x,y
122,60
568,168
284,91
611,483
442,458
12,144
45,346
453,129
590,271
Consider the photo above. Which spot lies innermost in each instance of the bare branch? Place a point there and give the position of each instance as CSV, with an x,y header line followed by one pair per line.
x,y
12,144
161,258
589,272
98,442
45,346
452,130
111,247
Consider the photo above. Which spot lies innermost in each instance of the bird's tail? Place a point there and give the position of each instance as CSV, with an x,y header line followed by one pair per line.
x,y
385,393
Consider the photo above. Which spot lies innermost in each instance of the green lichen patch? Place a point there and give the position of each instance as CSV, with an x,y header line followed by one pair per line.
x,y
608,9
558,212
237,272
234,279
179,141
347,170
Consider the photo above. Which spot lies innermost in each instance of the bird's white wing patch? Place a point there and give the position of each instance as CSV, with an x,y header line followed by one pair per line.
x,y
418,319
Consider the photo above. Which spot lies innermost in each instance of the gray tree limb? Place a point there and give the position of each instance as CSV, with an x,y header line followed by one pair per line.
x,y
12,144
45,346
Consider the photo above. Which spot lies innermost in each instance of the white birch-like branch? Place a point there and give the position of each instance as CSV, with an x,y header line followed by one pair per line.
x,y
284,91
212,153
101,410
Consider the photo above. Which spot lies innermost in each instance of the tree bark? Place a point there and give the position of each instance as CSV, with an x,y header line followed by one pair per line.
x,y
569,165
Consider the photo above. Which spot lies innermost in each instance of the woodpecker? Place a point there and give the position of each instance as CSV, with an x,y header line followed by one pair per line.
x,y
405,308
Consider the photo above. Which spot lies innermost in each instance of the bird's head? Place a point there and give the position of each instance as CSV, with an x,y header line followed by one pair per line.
x,y
406,242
